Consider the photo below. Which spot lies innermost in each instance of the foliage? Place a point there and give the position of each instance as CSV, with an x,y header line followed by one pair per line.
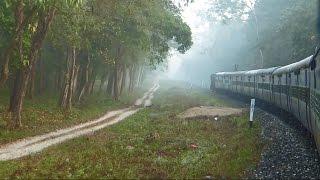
x,y
153,143
86,39
287,31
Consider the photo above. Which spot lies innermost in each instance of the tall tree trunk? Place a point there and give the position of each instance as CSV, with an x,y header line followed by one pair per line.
x,y
68,89
75,79
21,23
92,82
258,38
120,76
139,81
115,83
67,83
143,73
123,80
132,78
86,82
36,43
42,77
110,83
120,53
18,98
16,84
32,82
102,81
72,80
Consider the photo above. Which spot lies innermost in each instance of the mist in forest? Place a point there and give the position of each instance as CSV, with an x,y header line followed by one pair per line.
x,y
102,48
265,34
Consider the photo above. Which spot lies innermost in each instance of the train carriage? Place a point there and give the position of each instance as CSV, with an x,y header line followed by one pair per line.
x,y
251,82
315,98
246,84
294,88
292,94
263,81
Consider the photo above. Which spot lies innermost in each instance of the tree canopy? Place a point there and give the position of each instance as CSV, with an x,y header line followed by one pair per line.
x,y
71,44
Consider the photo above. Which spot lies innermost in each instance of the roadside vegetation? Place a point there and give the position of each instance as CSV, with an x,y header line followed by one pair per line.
x,y
154,143
42,115
65,46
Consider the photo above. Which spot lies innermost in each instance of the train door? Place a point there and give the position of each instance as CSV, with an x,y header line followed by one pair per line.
x,y
213,82
230,83
254,86
241,84
261,88
279,90
307,96
273,94
285,94
298,85
315,98
248,92
293,93
289,92
271,80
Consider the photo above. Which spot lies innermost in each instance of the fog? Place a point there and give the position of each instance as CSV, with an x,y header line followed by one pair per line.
x,y
216,46
260,38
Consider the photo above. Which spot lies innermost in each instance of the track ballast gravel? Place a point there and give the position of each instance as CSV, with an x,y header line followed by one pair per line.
x,y
290,153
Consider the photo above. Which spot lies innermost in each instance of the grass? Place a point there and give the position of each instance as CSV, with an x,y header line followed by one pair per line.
x,y
42,114
153,143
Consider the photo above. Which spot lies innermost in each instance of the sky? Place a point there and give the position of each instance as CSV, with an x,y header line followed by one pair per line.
x,y
209,37
199,27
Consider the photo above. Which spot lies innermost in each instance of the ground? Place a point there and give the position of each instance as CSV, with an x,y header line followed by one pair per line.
x,y
153,143
41,114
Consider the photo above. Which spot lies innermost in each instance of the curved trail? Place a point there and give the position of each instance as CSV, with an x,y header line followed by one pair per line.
x,y
35,144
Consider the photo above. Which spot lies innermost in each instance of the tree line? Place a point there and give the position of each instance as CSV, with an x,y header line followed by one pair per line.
x,y
287,30
67,46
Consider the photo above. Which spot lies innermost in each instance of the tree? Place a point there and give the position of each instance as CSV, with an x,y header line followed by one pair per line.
x,y
116,41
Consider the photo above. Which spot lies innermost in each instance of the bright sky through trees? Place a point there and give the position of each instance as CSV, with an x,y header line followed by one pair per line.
x,y
202,27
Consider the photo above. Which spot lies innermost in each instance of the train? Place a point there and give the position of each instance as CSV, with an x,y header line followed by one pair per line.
x,y
295,88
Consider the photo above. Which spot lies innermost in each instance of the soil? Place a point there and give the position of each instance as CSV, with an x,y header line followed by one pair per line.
x,y
209,112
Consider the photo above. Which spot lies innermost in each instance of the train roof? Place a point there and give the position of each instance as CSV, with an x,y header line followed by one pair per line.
x,y
294,66
231,73
262,71
250,72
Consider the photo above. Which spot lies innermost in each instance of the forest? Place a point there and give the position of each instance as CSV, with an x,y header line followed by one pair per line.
x,y
259,34
65,46
282,32
130,89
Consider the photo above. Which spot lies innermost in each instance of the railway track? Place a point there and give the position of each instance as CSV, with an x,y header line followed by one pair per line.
x,y
290,151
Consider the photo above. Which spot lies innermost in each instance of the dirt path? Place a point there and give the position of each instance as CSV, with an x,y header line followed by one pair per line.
x,y
35,144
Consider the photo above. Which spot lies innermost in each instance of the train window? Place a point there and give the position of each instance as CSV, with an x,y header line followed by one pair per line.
x,y
317,77
272,79
306,77
289,79
316,74
302,78
286,79
263,78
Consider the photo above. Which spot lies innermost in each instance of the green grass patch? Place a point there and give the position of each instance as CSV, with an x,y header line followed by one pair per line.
x,y
154,143
42,114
